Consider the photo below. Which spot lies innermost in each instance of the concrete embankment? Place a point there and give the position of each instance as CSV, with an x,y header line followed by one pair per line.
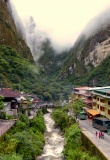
x,y
97,146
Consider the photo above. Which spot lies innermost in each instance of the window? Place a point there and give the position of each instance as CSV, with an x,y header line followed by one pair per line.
x,y
99,122
108,102
107,122
102,100
97,106
109,111
94,103
98,99
102,108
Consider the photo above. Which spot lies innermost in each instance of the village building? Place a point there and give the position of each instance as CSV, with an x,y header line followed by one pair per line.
x,y
16,102
101,101
10,101
95,104
83,93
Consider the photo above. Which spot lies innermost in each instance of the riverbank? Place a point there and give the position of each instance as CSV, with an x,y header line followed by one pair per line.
x,y
73,148
97,146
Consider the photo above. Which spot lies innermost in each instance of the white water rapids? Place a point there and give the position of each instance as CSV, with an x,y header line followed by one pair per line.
x,y
54,142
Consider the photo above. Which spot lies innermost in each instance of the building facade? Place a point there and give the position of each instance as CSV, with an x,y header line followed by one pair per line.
x,y
97,100
101,101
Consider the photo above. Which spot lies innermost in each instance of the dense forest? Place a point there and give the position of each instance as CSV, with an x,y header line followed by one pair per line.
x,y
21,75
45,80
25,140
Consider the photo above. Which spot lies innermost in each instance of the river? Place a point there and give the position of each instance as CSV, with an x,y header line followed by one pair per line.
x,y
54,141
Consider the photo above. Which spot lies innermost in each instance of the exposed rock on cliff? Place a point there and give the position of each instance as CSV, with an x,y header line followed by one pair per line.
x,y
100,52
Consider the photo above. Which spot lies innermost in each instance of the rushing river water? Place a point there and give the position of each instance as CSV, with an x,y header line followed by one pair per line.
x,y
54,142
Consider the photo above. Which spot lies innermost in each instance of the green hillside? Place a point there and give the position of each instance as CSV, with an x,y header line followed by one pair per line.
x,y
99,76
18,73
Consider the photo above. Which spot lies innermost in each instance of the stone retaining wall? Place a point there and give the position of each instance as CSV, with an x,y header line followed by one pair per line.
x,y
91,146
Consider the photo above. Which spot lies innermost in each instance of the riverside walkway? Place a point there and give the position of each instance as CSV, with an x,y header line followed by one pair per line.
x,y
103,145
5,126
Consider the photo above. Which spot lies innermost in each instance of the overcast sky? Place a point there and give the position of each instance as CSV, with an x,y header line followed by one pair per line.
x,y
62,20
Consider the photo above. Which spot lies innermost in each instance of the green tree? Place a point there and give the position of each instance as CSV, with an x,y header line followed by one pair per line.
x,y
61,119
77,106
24,118
47,96
28,145
2,113
10,145
38,123
19,127
13,156
1,103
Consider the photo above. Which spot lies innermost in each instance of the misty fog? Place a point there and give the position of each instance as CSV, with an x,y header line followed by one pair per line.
x,y
64,28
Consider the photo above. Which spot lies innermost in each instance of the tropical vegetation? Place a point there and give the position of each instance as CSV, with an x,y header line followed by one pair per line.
x,y
25,140
73,149
19,74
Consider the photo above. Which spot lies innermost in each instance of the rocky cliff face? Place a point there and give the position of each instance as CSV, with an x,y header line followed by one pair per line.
x,y
100,52
94,50
90,50
8,33
88,61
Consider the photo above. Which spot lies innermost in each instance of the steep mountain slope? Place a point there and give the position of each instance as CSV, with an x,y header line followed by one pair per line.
x,y
17,67
84,64
88,54
9,34
51,61
81,65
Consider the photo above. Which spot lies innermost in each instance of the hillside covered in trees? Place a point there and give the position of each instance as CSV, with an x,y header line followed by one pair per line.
x,y
17,67
54,75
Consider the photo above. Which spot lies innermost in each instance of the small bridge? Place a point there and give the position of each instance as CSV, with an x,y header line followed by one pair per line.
x,y
47,105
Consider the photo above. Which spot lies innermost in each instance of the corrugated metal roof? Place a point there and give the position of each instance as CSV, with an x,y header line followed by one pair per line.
x,y
105,90
98,88
92,88
102,92
82,88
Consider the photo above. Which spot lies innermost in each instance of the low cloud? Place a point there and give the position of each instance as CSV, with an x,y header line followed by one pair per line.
x,y
58,20
34,38
102,21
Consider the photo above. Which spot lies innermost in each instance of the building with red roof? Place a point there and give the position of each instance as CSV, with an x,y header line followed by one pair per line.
x,y
8,93
10,100
85,94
